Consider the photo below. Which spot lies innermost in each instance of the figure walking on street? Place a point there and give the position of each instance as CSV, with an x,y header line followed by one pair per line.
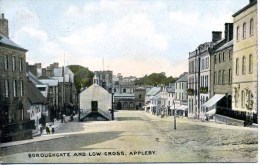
x,y
48,130
52,129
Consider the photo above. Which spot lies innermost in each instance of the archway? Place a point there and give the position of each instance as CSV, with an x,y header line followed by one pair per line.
x,y
119,106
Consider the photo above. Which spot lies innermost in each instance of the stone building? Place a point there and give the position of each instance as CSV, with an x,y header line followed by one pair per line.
x,y
221,74
245,60
15,121
199,75
105,79
181,97
139,98
38,105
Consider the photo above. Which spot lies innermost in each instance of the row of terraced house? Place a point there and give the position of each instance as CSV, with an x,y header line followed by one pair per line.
x,y
30,95
222,78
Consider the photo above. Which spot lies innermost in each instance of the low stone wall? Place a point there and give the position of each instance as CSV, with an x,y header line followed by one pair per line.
x,y
229,120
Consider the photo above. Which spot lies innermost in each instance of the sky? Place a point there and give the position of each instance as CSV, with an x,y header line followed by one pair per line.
x,y
133,38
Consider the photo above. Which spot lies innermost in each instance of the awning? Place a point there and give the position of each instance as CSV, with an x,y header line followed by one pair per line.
x,y
182,107
213,100
151,105
211,112
179,107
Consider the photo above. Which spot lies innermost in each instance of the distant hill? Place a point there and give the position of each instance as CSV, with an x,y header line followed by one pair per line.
x,y
82,76
155,79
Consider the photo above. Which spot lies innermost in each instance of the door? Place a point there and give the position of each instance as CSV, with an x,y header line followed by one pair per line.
x,y
94,106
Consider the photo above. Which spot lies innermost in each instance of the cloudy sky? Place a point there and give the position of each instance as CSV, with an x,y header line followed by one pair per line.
x,y
133,37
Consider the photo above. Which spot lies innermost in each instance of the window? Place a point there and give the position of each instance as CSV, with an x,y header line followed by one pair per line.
x,y
6,88
131,105
140,96
219,77
223,77
237,66
206,80
251,31
125,105
22,88
14,63
238,33
229,54
182,96
124,90
6,62
236,97
219,58
215,77
244,30
140,104
250,66
215,59
15,88
223,56
242,99
243,65
230,76
21,64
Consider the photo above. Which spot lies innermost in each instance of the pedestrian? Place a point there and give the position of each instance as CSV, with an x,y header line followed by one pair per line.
x,y
52,129
64,119
47,129
41,129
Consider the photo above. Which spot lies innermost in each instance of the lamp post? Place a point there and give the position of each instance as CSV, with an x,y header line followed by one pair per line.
x,y
174,115
112,104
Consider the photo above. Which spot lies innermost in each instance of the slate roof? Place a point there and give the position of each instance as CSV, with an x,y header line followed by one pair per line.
x,y
124,95
170,89
9,43
183,78
226,45
153,91
244,8
34,95
50,82
34,79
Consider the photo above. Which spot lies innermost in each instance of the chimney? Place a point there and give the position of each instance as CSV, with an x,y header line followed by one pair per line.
x,y
4,26
216,35
228,31
251,1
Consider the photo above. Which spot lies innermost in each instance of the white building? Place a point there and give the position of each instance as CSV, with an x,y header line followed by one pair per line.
x,y
95,100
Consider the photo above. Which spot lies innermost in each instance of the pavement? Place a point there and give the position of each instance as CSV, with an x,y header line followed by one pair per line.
x,y
37,137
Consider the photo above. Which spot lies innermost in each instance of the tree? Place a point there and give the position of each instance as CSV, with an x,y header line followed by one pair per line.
x,y
155,79
82,76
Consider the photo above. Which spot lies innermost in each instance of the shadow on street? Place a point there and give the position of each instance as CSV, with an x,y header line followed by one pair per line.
x,y
67,143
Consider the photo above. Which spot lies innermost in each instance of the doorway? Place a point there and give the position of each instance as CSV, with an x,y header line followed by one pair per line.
x,y
94,106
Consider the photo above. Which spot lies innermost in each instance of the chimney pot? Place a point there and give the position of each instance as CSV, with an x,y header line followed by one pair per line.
x,y
3,15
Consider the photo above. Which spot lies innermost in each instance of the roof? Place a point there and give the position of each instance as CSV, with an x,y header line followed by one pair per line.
x,y
184,78
34,79
124,95
34,95
244,8
50,82
156,97
44,77
9,43
170,89
153,91
226,45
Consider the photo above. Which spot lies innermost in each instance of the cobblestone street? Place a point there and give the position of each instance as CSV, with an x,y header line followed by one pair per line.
x,y
136,136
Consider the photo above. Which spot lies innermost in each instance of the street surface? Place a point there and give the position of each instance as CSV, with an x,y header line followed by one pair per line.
x,y
136,136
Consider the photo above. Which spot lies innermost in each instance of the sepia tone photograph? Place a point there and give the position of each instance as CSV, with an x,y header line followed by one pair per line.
x,y
128,81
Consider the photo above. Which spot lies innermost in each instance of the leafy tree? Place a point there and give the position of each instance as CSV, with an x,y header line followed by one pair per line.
x,y
83,77
155,79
